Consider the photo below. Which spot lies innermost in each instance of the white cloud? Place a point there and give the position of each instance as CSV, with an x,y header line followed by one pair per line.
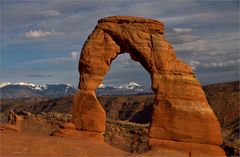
x,y
184,41
182,30
50,13
74,55
40,33
53,61
195,64
58,61
200,17
193,46
222,64
181,35
176,38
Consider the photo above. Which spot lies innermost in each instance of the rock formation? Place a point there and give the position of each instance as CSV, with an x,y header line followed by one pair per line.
x,y
13,122
181,114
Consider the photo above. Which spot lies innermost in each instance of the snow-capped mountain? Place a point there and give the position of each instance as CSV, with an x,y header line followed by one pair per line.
x,y
3,84
102,86
130,88
31,85
22,89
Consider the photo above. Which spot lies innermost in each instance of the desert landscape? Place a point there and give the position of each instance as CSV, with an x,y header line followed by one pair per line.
x,y
89,78
127,122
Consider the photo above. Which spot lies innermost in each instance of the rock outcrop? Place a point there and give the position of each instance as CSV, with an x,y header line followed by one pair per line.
x,y
181,113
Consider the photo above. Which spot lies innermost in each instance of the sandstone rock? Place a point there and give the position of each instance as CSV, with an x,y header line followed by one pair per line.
x,y
179,148
10,127
2,128
70,126
181,111
29,115
87,112
93,136
63,132
18,118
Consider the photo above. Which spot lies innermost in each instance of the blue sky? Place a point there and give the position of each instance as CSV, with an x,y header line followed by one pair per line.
x,y
41,41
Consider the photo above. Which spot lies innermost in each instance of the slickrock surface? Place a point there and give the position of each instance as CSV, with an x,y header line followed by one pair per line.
x,y
9,127
35,144
181,111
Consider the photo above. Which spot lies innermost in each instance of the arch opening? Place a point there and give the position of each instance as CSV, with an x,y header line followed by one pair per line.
x,y
126,85
123,70
128,113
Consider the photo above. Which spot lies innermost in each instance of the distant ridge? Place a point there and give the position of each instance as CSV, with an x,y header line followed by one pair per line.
x,y
129,88
26,89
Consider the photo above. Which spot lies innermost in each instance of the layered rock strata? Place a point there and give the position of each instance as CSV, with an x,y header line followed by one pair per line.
x,y
181,112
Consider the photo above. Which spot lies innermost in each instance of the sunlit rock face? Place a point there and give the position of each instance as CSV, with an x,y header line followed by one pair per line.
x,y
181,115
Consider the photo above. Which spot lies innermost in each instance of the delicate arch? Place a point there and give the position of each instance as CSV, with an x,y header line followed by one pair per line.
x,y
181,111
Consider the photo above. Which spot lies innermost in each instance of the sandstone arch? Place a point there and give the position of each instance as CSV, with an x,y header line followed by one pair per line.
x,y
181,112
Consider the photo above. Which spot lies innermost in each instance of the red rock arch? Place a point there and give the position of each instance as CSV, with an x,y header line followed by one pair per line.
x,y
181,111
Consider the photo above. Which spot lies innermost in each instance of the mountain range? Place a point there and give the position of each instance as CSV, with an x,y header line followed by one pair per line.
x,y
24,90
130,88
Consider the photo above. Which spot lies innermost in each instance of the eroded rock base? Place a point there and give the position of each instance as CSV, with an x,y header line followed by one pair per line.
x,y
88,113
68,130
179,148
10,127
